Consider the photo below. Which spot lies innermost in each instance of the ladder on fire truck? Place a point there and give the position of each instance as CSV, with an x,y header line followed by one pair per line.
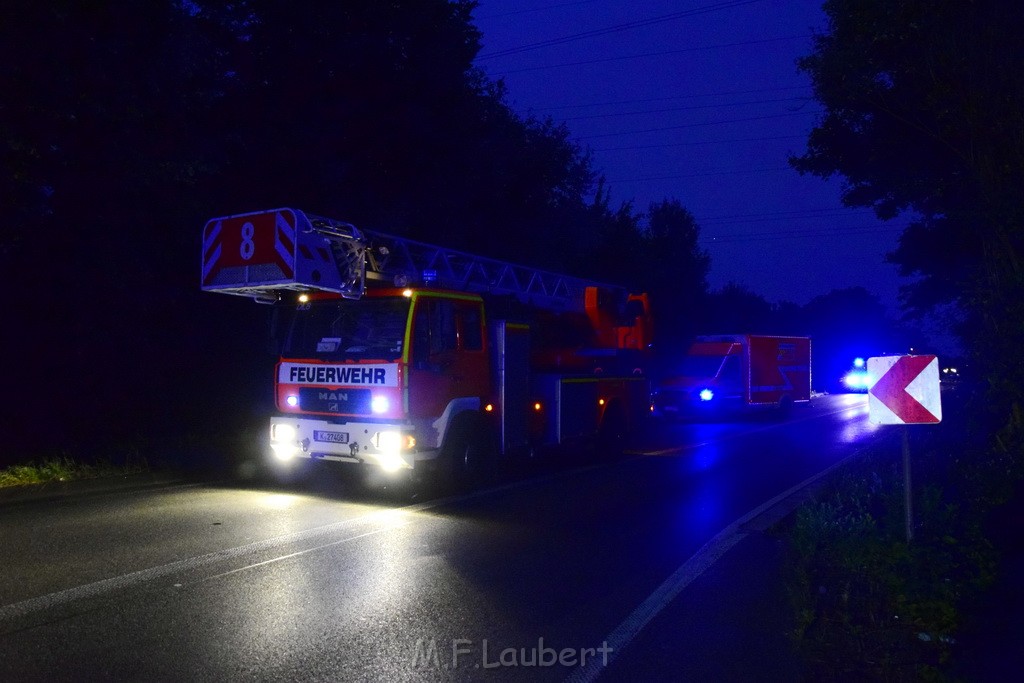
x,y
261,255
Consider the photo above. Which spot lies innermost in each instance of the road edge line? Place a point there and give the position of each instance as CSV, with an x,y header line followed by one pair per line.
x,y
623,634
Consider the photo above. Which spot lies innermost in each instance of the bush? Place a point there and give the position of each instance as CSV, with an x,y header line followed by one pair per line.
x,y
870,605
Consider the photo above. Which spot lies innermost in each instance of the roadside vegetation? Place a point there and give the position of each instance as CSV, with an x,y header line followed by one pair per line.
x,y
64,468
868,604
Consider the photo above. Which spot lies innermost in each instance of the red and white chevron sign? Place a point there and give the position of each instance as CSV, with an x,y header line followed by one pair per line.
x,y
906,391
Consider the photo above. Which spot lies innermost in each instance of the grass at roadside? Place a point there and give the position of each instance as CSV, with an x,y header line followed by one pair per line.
x,y
63,468
868,604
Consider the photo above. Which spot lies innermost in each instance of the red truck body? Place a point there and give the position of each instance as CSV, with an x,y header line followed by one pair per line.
x,y
405,355
729,372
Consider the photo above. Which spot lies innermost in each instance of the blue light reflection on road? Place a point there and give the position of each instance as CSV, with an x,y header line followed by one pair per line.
x,y
856,425
716,465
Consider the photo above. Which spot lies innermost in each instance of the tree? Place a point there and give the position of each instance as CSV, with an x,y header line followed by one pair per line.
x,y
126,125
100,170
673,268
735,309
924,114
373,112
845,324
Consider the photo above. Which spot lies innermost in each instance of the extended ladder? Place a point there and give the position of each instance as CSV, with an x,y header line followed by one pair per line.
x,y
261,255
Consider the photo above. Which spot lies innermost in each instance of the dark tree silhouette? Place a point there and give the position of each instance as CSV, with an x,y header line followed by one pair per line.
x,y
126,125
925,114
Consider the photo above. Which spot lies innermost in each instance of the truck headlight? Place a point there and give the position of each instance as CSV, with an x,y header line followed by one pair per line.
x,y
706,394
282,432
390,444
391,462
388,441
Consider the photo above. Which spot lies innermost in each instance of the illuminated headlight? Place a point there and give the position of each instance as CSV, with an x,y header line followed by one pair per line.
x,y
292,401
284,451
391,462
282,432
380,404
706,394
388,442
283,441
857,380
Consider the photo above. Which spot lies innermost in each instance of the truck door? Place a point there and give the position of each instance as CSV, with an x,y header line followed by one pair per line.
x,y
448,358
731,383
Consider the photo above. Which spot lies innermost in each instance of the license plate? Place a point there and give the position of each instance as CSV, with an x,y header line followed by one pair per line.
x,y
330,437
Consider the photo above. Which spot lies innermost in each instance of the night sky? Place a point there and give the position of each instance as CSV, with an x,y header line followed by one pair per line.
x,y
698,101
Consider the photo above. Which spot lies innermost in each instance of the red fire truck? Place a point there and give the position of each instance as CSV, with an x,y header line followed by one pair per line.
x,y
729,373
409,356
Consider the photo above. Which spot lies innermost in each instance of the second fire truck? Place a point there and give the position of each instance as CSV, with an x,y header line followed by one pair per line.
x,y
408,356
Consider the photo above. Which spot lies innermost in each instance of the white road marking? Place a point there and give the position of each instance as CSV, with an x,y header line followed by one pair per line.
x,y
386,515
711,552
623,634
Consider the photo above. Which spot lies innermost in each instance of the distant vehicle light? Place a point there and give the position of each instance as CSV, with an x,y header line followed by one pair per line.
x,y
857,380
706,394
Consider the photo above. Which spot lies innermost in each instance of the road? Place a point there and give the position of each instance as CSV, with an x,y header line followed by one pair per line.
x,y
221,581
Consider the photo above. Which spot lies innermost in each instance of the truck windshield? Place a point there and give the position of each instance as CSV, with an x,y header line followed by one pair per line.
x,y
701,366
363,329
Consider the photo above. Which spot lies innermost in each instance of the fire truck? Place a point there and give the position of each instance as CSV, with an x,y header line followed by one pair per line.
x,y
413,357
729,374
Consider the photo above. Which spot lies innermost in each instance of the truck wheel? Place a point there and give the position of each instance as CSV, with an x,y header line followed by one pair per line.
x,y
469,453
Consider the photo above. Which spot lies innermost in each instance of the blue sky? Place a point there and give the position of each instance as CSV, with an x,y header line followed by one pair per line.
x,y
700,101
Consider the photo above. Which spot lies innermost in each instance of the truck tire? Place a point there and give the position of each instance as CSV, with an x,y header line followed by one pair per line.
x,y
469,452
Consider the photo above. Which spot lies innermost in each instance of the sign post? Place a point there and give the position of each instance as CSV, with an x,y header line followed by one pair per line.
x,y
904,390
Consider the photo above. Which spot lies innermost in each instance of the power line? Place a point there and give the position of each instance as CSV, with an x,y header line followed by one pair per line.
x,y
696,125
535,9
791,220
696,142
824,209
733,171
615,29
602,60
797,234
765,217
665,99
690,108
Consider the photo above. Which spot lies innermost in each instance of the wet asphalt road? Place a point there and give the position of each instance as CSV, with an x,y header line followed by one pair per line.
x,y
322,581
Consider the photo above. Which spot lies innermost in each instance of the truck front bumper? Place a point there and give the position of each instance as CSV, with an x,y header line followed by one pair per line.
x,y
389,446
